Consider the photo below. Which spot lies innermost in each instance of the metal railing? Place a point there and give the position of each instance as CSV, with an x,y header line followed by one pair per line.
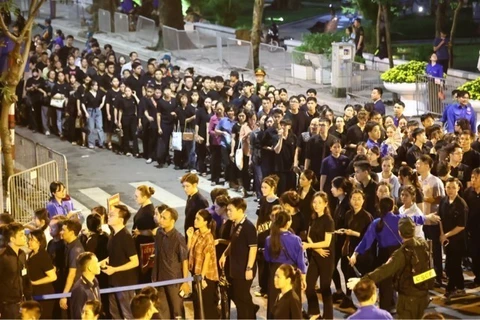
x,y
121,22
363,81
45,154
434,94
29,190
25,152
104,21
237,54
276,60
146,30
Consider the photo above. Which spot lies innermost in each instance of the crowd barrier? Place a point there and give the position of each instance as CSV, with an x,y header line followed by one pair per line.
x,y
197,280
104,21
146,30
29,190
364,79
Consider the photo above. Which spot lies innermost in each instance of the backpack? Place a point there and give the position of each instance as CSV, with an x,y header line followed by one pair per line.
x,y
418,271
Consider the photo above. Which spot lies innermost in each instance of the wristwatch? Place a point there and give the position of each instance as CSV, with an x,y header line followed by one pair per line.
x,y
249,269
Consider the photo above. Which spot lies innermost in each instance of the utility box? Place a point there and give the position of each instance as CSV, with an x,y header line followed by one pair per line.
x,y
343,55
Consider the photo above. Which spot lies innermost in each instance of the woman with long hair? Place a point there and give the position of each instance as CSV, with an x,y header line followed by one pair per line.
x,y
289,304
283,247
407,177
60,202
93,102
245,133
290,201
112,100
341,190
357,222
410,208
202,261
143,225
241,119
61,91
306,192
128,121
321,262
41,271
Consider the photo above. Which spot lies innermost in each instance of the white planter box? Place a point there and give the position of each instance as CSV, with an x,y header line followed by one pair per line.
x,y
407,93
302,72
323,76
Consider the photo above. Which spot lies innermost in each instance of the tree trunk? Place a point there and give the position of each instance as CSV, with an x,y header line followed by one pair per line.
x,y
440,17
171,15
379,16
385,9
452,33
256,31
9,81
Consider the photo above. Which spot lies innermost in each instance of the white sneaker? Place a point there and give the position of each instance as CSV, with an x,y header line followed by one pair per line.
x,y
47,133
129,154
193,171
149,161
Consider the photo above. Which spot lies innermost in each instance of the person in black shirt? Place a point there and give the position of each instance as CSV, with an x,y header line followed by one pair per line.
x,y
289,304
367,185
458,169
166,116
92,105
453,212
242,253
318,148
36,92
359,37
285,151
202,141
471,157
147,110
72,70
61,90
355,134
112,102
472,198
185,123
128,121
14,284
65,51
41,271
143,224
195,201
134,81
121,264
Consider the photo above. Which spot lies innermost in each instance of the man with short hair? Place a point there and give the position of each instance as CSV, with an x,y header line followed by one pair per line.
x,y
359,37
86,288
142,307
367,185
195,201
318,147
242,252
91,310
418,148
14,283
398,109
30,310
170,262
73,248
462,109
376,96
128,66
471,157
366,292
122,262
374,133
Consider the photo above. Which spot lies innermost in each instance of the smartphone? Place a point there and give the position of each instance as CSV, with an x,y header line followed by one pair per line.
x,y
181,293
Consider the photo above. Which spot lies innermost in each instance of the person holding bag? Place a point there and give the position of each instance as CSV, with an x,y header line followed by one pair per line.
x,y
283,247
185,123
60,94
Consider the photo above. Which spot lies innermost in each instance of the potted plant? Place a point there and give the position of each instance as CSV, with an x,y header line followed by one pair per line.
x,y
313,56
402,80
473,88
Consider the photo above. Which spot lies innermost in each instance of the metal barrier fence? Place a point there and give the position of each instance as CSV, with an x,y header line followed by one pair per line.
x,y
25,157
363,81
29,190
45,154
276,60
121,22
104,21
237,54
433,94
183,44
146,30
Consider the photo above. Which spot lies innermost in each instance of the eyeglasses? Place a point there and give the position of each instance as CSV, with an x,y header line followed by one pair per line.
x,y
322,125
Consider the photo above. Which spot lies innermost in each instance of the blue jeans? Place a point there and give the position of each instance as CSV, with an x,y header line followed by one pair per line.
x,y
59,121
95,126
257,180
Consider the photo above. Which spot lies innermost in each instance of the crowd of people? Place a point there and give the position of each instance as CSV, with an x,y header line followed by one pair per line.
x,y
332,193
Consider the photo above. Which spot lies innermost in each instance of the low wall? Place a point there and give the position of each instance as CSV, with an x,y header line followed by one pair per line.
x,y
214,30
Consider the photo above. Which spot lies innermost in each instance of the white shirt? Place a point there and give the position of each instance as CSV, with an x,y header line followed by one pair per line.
x,y
432,187
392,181
410,212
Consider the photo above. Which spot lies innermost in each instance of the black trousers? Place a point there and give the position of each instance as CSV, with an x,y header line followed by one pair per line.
x,y
129,126
339,241
10,310
263,272
120,304
210,301
163,143
171,304
286,182
475,254
228,165
323,268
385,287
432,232
150,142
245,174
215,162
453,267
240,294
201,150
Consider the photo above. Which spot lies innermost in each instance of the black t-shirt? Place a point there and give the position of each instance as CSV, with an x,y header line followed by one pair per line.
x,y
104,81
471,158
299,225
472,198
92,101
244,236
355,135
72,251
146,104
358,222
370,191
359,32
183,114
128,107
165,108
299,122
135,84
37,266
63,54
320,226
454,215
143,220
62,88
79,75
195,203
121,247
56,251
264,209
202,118
284,159
463,173
39,83
317,150
113,98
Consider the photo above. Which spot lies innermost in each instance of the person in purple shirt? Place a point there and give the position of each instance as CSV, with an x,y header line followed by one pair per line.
x,y
366,292
459,110
433,68
60,202
440,47
283,247
372,129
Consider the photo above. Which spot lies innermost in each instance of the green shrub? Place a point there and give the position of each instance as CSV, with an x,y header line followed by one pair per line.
x,y
473,88
319,43
405,73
